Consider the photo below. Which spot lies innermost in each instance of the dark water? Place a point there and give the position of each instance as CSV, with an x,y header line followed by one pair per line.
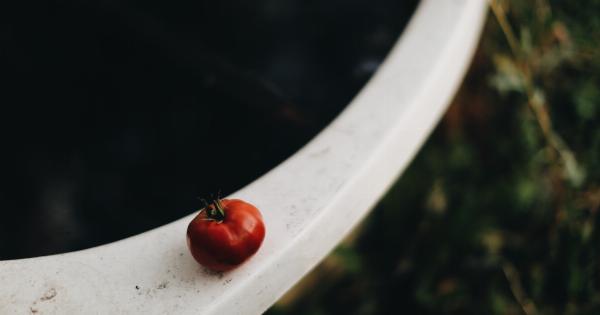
x,y
116,115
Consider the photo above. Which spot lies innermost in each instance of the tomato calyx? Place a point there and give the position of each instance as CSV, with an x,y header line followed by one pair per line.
x,y
214,211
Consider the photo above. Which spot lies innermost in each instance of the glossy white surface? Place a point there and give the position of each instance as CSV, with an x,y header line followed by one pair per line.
x,y
309,202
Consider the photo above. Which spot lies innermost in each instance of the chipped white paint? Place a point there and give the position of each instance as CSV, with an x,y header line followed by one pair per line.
x,y
309,202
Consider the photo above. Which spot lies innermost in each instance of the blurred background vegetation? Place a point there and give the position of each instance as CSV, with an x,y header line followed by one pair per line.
x,y
498,212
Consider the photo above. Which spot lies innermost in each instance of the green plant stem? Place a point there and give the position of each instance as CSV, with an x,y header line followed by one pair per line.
x,y
536,103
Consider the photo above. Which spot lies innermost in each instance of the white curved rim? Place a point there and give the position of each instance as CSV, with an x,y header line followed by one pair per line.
x,y
309,202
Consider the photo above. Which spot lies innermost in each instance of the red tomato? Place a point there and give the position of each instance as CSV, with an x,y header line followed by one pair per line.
x,y
225,233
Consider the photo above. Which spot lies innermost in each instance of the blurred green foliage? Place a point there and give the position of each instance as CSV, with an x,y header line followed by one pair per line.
x,y
498,212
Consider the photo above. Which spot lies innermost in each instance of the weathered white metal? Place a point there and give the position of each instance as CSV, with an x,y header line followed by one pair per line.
x,y
309,202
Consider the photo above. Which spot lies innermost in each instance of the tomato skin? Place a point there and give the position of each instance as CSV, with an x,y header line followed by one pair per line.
x,y
223,245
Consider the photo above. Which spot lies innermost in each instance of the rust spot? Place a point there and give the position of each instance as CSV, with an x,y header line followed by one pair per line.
x,y
49,295
162,285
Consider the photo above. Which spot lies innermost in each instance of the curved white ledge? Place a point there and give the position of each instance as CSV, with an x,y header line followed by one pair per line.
x,y
309,202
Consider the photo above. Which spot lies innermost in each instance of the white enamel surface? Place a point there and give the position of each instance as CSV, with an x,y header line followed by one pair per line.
x,y
309,202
